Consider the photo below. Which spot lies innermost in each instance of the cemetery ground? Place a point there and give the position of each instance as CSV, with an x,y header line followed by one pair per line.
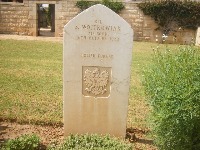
x,y
31,91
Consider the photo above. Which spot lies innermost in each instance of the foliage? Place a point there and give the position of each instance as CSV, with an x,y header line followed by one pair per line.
x,y
79,142
173,86
115,6
170,14
86,142
83,4
24,142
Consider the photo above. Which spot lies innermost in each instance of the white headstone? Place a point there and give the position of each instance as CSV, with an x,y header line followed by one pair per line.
x,y
198,37
97,59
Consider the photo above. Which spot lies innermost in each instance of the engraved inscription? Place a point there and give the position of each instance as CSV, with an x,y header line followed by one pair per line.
x,y
99,56
96,81
98,31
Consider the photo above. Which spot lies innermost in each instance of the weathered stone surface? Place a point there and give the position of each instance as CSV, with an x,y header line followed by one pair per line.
x,y
97,58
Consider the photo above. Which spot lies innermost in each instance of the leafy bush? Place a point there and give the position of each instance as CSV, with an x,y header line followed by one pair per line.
x,y
25,142
171,14
91,142
85,4
172,84
115,6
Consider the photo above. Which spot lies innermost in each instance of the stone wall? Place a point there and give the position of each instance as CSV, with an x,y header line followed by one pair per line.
x,y
21,18
145,28
14,18
142,25
65,11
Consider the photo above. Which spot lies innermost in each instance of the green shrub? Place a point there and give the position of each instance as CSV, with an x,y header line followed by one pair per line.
x,y
25,142
91,142
85,4
115,6
172,84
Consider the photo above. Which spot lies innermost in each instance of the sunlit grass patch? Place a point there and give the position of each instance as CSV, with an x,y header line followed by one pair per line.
x,y
31,82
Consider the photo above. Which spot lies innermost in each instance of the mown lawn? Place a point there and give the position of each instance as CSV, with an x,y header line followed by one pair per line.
x,y
31,82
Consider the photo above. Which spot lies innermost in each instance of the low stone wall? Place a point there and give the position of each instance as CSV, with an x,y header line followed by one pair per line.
x,y
145,28
21,18
142,25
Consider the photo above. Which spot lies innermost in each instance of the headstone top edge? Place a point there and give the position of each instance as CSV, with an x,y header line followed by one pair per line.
x,y
99,6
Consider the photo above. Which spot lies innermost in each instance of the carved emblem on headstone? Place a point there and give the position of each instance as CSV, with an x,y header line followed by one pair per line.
x,y
96,81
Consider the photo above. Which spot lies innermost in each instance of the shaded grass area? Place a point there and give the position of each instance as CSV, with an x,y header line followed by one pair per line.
x,y
31,82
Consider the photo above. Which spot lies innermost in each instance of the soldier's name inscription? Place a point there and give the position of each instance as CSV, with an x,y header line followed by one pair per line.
x,y
98,31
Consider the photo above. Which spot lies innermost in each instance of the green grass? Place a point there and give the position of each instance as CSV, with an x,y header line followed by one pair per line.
x,y
31,82
138,108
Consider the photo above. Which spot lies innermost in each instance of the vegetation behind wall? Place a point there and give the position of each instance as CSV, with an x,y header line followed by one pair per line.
x,y
115,6
171,15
